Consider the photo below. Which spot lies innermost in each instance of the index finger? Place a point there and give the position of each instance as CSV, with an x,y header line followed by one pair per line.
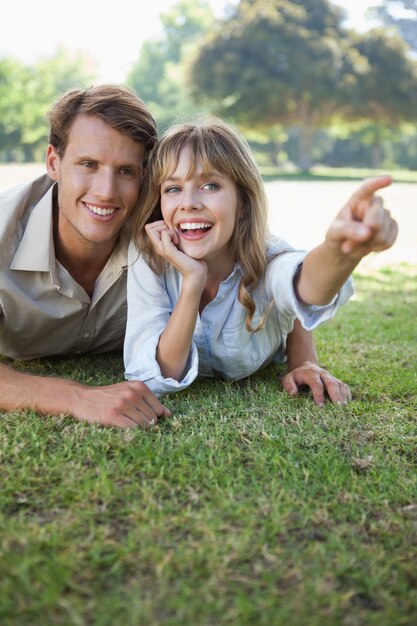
x,y
154,225
369,186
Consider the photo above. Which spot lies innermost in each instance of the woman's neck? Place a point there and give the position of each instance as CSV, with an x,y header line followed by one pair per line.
x,y
217,273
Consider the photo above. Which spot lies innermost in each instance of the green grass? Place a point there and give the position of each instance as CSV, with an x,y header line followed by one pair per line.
x,y
247,507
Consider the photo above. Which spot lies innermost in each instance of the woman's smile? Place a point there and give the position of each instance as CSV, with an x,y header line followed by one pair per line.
x,y
193,229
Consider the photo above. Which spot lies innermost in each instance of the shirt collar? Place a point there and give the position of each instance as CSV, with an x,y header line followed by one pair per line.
x,y
36,249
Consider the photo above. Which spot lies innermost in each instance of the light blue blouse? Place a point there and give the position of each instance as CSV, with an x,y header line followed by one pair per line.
x,y
221,344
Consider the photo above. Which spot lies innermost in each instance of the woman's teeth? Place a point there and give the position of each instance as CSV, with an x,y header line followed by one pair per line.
x,y
194,226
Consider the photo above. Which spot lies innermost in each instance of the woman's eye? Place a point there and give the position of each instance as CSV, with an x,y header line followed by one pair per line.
x,y
171,189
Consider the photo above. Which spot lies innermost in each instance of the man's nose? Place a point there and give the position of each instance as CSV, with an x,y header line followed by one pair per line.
x,y
105,184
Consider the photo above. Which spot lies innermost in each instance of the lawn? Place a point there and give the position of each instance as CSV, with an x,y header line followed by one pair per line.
x,y
247,507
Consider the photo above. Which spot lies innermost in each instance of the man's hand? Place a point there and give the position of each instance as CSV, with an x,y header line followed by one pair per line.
x,y
127,404
319,380
124,405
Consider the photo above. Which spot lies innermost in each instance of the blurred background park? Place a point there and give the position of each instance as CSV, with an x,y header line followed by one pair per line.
x,y
244,508
306,87
323,91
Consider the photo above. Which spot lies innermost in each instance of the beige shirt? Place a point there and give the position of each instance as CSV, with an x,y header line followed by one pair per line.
x,y
43,310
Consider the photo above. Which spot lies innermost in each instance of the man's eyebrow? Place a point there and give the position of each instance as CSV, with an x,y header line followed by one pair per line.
x,y
88,157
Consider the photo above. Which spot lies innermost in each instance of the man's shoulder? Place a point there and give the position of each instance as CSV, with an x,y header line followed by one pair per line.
x,y
17,202
25,195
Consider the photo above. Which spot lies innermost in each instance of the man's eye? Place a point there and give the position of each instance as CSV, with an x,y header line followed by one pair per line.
x,y
88,164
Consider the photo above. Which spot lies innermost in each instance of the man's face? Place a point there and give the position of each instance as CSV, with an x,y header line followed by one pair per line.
x,y
99,178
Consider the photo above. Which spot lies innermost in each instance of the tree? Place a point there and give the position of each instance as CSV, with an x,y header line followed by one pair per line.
x,y
291,62
159,75
402,15
13,75
279,61
387,90
27,92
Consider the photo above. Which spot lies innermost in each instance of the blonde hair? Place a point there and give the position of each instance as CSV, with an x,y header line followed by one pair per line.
x,y
220,147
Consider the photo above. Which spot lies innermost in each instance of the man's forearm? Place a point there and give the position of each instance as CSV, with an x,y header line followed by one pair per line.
x,y
47,395
127,404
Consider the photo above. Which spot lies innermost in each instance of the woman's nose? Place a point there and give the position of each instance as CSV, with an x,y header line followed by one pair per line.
x,y
190,200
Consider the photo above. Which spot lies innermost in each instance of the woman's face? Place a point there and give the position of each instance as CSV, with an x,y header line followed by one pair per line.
x,y
202,209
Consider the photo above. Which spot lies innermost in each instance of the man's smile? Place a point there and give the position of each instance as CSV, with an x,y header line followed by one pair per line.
x,y
100,210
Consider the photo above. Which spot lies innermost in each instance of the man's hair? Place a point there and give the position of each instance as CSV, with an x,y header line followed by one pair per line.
x,y
117,105
220,147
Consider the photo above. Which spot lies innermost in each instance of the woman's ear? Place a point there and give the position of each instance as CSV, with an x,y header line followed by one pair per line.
x,y
52,162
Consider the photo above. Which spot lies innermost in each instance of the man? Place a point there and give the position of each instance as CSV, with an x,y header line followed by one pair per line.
x,y
63,264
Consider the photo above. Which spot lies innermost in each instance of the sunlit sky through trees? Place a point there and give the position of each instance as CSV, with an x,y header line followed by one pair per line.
x,y
111,34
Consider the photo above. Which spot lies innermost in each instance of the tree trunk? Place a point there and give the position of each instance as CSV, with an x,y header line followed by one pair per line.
x,y
28,153
305,160
275,153
376,153
308,124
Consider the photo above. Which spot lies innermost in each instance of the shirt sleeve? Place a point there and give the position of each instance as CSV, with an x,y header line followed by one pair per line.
x,y
148,310
280,276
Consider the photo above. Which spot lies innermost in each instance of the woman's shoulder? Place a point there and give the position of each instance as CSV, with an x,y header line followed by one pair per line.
x,y
277,245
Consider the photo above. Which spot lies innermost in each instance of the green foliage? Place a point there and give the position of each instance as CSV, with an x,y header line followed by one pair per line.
x,y
14,105
401,15
285,71
27,92
279,61
246,508
388,88
405,148
290,62
366,143
159,75
258,70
